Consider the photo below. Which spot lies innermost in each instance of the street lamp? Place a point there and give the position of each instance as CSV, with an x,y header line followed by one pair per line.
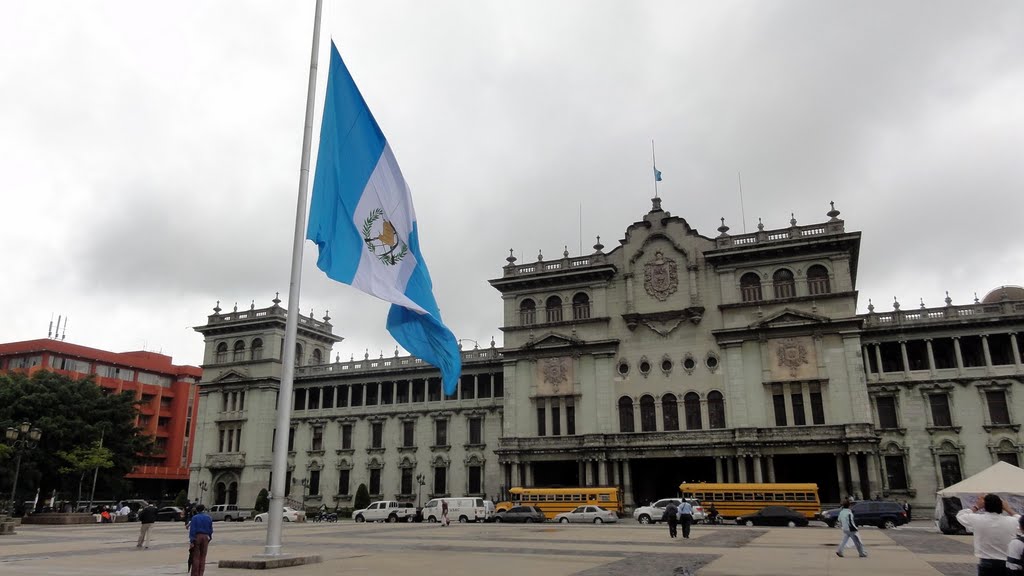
x,y
23,438
419,491
202,490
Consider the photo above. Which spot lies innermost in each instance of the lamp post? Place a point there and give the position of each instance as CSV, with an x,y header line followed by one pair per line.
x,y
23,438
203,486
419,490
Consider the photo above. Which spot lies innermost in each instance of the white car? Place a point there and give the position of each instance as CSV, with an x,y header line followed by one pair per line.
x,y
587,514
290,515
653,513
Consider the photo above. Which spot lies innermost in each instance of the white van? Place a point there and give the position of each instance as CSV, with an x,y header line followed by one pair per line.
x,y
459,510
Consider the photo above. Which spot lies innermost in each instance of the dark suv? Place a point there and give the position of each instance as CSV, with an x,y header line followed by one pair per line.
x,y
881,513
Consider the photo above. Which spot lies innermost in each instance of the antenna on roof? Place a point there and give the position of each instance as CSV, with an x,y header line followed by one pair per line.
x,y
65,332
57,332
49,331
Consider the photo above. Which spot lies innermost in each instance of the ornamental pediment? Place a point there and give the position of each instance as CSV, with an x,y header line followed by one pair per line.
x,y
553,340
232,375
790,317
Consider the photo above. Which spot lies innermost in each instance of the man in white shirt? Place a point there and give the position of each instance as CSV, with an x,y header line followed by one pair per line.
x,y
993,531
685,512
124,510
1015,552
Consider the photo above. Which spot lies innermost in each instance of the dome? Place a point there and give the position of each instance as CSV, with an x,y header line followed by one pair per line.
x,y
1003,292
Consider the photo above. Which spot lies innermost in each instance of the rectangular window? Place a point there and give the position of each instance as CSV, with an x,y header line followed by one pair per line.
x,y
387,392
570,418
343,396
556,418
467,386
221,447
343,482
941,415
887,417
441,433
476,431
418,388
896,472
474,480
291,439
318,438
499,384
817,407
346,436
944,352
1009,458
314,482
440,480
779,402
403,393
949,465
797,397
299,403
313,401
541,419
998,412
372,393
377,436
483,386
328,397
375,481
408,435
406,481
357,395
433,390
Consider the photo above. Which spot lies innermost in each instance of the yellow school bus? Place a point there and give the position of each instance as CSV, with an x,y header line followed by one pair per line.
x,y
733,500
554,501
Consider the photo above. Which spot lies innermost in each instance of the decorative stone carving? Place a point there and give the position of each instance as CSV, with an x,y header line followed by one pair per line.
x,y
795,358
661,277
554,376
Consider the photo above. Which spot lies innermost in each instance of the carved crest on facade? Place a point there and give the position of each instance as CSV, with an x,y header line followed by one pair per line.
x,y
661,278
792,355
555,371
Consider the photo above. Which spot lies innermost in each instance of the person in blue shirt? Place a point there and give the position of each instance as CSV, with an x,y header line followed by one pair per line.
x,y
685,517
200,531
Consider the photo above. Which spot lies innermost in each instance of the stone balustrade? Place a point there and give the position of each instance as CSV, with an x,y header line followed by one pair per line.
x,y
942,314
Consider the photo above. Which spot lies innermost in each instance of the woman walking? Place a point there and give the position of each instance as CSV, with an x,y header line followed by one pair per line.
x,y
849,531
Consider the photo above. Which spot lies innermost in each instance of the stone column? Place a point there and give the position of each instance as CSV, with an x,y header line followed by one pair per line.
x,y
517,478
587,480
758,475
613,472
906,358
718,470
874,479
529,473
878,359
1016,349
627,485
659,422
959,354
855,487
730,474
844,490
867,362
602,473
988,353
771,468
931,355
876,459
741,468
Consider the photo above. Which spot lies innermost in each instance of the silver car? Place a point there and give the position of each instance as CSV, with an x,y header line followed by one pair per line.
x,y
588,515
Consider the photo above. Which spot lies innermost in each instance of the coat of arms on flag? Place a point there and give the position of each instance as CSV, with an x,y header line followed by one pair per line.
x,y
386,245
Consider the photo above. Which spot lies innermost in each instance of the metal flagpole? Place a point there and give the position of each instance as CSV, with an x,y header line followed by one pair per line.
x,y
654,164
275,515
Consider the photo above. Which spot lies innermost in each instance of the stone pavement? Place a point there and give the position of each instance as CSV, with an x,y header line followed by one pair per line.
x,y
493,550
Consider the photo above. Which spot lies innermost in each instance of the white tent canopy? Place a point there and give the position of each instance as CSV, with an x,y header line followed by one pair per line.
x,y
1001,478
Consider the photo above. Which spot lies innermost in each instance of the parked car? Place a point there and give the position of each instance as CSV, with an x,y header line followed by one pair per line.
x,y
655,512
228,513
881,513
290,515
526,514
386,511
459,509
587,514
773,516
170,514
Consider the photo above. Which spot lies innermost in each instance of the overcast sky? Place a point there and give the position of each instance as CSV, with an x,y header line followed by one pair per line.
x,y
149,152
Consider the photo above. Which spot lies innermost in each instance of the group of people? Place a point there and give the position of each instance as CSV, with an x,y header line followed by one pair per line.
x,y
200,531
677,516
998,535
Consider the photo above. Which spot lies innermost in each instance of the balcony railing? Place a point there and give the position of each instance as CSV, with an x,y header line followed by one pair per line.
x,y
942,314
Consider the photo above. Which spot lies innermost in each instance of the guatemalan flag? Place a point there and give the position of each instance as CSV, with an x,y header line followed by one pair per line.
x,y
362,220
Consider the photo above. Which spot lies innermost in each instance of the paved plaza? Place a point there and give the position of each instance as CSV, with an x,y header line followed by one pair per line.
x,y
493,550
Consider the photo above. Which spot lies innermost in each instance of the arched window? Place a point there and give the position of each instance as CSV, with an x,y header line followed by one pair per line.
x,y
239,353
553,308
220,493
233,493
750,287
580,306
817,280
626,414
783,283
716,409
691,406
316,357
298,354
257,349
527,312
670,412
648,419
222,352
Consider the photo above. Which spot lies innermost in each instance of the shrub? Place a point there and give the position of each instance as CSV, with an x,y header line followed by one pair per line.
x,y
181,500
262,502
362,498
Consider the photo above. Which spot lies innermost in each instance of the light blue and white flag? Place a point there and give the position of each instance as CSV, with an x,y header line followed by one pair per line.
x,y
362,220
657,174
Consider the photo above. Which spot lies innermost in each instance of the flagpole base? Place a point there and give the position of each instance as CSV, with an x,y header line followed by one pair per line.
x,y
269,561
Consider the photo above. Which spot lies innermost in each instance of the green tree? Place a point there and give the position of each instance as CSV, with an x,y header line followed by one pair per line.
x,y
262,502
72,414
5,451
83,459
362,497
181,500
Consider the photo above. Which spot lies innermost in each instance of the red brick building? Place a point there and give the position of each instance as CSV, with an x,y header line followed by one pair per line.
x,y
169,394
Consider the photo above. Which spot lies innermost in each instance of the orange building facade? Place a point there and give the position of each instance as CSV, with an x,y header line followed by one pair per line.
x,y
169,394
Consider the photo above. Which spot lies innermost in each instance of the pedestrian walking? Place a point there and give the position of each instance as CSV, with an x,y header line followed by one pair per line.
x,y
906,508
1015,552
685,517
200,532
146,519
670,516
444,512
849,525
994,524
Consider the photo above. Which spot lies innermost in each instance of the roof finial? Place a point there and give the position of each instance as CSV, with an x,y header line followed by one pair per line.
x,y
511,258
656,204
833,213
492,341
366,355
792,219
949,301
922,304
396,351
540,256
565,253
337,358
310,313
381,354
236,307
871,307
760,225
895,303
252,305
598,247
277,298
216,308
327,316
723,228
976,301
